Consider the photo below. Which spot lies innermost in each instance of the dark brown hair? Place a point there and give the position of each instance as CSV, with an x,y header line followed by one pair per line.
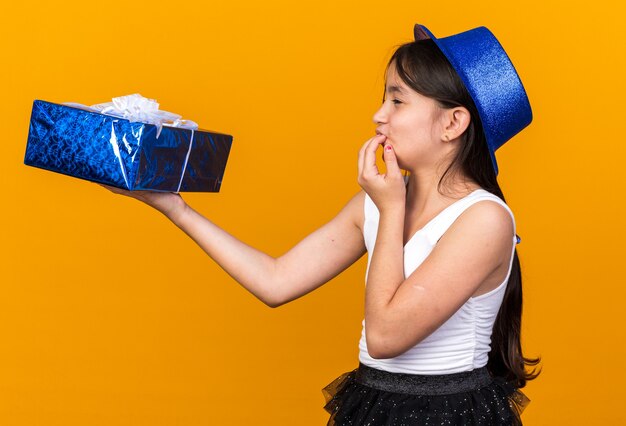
x,y
424,68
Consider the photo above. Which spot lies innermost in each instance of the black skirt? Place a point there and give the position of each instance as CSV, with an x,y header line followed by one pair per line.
x,y
369,396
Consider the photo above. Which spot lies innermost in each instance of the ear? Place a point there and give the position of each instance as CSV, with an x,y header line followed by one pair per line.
x,y
456,121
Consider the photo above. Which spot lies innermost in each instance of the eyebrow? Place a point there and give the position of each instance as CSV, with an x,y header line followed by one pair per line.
x,y
392,89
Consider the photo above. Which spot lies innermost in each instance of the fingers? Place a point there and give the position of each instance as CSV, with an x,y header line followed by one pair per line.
x,y
389,155
367,156
118,191
360,162
369,160
361,156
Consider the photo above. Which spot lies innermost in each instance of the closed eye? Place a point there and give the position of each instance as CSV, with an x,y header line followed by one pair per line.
x,y
395,101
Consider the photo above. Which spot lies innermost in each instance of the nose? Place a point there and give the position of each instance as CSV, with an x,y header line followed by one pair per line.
x,y
380,116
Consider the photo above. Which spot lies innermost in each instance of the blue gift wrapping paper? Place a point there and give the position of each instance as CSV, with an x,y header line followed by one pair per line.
x,y
117,152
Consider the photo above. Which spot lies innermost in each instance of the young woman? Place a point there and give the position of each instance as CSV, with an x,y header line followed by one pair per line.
x,y
441,335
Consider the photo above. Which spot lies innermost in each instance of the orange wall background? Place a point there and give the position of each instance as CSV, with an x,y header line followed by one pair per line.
x,y
109,315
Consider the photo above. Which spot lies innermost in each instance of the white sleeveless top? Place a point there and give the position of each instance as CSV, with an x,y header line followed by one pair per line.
x,y
462,343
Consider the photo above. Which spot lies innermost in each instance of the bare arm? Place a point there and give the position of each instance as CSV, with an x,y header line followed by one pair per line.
x,y
470,250
314,261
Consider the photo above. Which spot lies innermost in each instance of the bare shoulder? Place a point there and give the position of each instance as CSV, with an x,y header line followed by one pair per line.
x,y
493,213
487,222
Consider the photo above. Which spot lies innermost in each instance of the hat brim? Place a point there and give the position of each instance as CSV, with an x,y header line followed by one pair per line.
x,y
420,32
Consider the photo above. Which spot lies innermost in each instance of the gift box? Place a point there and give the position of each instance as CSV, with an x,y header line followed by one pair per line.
x,y
128,144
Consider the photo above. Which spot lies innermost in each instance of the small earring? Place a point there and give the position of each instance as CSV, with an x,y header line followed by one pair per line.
x,y
447,137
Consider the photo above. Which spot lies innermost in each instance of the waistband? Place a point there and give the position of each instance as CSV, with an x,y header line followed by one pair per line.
x,y
419,384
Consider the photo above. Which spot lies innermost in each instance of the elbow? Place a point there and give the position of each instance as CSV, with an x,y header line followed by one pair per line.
x,y
388,345
272,298
380,353
272,303
275,294
378,347
377,355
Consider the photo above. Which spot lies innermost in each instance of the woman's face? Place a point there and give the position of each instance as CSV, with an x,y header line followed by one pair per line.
x,y
411,122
